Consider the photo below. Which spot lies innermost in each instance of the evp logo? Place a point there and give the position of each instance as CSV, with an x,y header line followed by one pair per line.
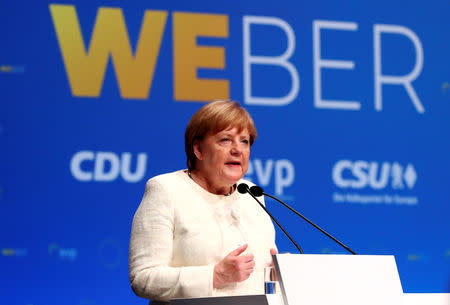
x,y
279,172
107,166
69,254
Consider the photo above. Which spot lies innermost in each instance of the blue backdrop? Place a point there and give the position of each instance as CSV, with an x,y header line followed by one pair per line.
x,y
351,100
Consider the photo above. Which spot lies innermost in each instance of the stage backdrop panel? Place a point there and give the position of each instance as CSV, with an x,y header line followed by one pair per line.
x,y
351,100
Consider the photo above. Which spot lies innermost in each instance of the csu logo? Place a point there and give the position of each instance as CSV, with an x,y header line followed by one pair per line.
x,y
376,175
107,166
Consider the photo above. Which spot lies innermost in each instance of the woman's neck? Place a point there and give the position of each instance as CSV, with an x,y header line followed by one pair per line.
x,y
209,185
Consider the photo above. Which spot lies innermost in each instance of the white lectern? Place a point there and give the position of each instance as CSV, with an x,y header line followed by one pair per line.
x,y
307,279
339,279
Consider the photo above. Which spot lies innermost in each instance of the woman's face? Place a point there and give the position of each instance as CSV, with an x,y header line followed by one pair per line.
x,y
223,157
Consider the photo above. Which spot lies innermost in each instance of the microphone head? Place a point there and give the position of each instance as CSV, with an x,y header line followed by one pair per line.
x,y
256,190
242,188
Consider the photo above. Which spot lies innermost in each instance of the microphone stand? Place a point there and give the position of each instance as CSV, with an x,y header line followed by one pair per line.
x,y
273,218
309,221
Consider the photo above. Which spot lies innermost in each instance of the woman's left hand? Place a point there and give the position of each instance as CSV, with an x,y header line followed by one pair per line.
x,y
233,268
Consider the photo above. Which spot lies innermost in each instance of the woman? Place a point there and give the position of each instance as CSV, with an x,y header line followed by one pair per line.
x,y
193,234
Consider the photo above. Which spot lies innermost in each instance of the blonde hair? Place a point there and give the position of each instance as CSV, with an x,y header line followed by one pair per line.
x,y
213,118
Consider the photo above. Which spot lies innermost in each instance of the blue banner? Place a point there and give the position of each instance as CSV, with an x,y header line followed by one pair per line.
x,y
351,101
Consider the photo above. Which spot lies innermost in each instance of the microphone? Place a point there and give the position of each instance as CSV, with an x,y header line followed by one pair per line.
x,y
258,191
243,188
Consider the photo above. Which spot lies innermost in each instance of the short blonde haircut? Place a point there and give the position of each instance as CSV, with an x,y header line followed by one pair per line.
x,y
213,118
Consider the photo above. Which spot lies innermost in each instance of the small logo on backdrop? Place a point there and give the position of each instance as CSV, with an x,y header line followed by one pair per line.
x,y
67,254
364,182
418,257
14,252
12,69
104,166
446,88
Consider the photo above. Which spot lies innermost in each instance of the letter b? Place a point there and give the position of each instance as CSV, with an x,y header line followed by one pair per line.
x,y
280,61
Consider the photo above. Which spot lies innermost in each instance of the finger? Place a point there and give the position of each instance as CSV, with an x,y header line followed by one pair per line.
x,y
247,267
246,258
250,266
239,250
243,262
248,270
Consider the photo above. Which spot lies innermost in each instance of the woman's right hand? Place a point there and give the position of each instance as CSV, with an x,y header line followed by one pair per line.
x,y
233,268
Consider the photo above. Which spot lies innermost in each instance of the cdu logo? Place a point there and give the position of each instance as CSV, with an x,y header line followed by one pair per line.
x,y
107,166
375,175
